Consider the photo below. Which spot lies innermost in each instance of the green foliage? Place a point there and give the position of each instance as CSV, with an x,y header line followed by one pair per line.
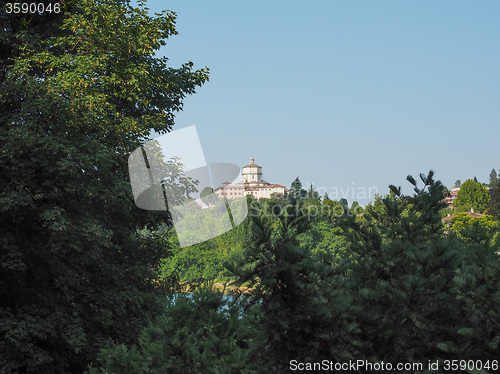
x,y
402,290
332,210
458,183
417,292
356,208
198,223
79,92
493,178
388,285
472,195
478,282
296,191
199,263
329,241
205,262
344,203
474,229
287,279
312,193
494,207
207,195
203,332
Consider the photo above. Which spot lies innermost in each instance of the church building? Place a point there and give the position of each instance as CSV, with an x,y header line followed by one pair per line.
x,y
252,184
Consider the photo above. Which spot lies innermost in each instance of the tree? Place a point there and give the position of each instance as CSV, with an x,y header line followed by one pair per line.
x,y
356,208
204,332
474,229
312,193
389,285
494,207
80,90
458,183
296,191
207,195
287,277
493,178
472,195
400,276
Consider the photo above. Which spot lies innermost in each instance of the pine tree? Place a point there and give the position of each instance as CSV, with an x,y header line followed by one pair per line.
x,y
296,191
493,178
312,193
296,322
494,207
400,276
201,332
344,203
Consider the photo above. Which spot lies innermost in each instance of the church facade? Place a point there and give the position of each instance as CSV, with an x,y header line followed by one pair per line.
x,y
252,184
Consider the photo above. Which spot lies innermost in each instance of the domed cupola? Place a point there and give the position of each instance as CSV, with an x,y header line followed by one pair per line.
x,y
252,173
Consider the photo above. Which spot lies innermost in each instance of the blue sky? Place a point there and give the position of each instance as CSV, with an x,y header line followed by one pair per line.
x,y
349,95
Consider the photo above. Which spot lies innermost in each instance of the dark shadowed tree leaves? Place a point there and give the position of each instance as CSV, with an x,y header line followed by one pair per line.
x,y
393,286
204,332
408,302
494,207
79,91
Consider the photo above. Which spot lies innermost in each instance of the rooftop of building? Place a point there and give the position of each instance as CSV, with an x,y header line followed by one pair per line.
x,y
470,214
252,164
